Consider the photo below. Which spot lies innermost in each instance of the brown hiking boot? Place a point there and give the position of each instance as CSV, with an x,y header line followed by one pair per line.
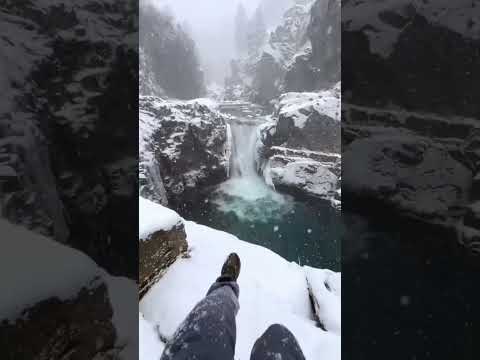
x,y
231,267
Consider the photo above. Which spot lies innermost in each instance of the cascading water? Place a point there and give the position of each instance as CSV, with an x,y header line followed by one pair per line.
x,y
246,194
244,148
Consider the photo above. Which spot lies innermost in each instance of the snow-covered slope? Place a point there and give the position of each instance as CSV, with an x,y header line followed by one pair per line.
x,y
272,290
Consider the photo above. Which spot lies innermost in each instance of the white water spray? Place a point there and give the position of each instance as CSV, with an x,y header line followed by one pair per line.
x,y
246,194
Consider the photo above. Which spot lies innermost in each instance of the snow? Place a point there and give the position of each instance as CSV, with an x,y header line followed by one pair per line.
x,y
28,254
325,286
458,16
154,217
150,344
299,105
311,176
272,290
61,272
123,295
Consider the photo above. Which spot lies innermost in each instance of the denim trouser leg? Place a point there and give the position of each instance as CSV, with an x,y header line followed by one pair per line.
x,y
277,343
209,331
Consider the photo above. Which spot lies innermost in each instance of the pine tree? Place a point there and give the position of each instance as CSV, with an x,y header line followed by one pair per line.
x,y
257,34
241,24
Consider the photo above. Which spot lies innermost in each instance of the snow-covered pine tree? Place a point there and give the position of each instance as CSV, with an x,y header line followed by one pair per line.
x,y
241,25
257,32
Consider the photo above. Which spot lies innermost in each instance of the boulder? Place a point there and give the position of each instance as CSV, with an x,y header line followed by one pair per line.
x,y
162,240
301,177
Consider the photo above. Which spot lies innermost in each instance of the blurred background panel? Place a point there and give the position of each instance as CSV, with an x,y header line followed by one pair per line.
x,y
410,145
68,178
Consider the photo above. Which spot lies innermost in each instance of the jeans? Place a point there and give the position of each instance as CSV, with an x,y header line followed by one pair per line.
x,y
209,331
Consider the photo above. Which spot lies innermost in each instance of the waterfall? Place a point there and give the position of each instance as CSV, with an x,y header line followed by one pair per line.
x,y
245,193
244,150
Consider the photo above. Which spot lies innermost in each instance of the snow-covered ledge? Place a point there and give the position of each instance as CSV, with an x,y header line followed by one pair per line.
x,y
272,290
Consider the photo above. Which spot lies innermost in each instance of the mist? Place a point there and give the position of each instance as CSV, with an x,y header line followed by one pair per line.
x,y
210,23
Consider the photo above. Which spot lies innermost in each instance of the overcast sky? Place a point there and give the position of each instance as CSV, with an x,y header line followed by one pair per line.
x,y
211,22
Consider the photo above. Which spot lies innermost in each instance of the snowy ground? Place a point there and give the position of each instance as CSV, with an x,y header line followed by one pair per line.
x,y
272,290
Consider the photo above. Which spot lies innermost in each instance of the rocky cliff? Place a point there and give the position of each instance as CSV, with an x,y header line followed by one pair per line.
x,y
302,54
186,144
300,148
69,77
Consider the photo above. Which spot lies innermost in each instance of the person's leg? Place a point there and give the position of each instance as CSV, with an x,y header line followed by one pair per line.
x,y
277,343
209,331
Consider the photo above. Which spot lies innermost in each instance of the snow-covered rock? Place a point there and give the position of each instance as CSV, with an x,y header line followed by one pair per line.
x,y
183,148
72,306
302,54
326,291
300,146
319,67
161,241
272,290
260,76
301,177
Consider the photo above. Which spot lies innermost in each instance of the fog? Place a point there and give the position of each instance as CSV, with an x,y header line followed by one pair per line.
x,y
210,23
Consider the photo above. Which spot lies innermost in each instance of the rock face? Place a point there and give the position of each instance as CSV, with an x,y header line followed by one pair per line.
x,y
161,241
168,61
188,142
65,70
157,252
320,67
259,77
300,148
421,134
302,54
